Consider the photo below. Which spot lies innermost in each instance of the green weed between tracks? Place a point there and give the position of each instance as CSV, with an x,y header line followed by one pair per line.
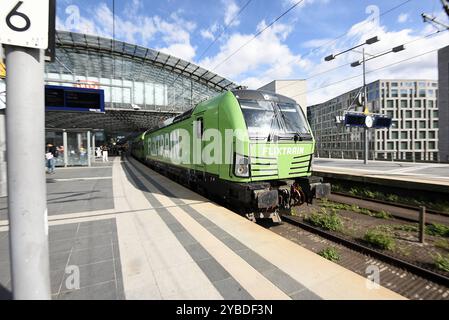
x,y
330,253
379,239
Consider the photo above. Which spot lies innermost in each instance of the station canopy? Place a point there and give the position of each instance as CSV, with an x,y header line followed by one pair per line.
x,y
142,86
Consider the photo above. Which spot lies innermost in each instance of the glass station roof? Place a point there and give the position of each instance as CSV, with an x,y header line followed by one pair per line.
x,y
140,71
95,56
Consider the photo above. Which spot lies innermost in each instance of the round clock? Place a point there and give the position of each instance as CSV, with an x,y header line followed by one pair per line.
x,y
369,121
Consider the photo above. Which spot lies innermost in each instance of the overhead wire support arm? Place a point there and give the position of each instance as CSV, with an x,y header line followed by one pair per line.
x,y
433,20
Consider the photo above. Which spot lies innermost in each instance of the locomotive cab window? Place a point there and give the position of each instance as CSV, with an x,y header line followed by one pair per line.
x,y
293,117
260,118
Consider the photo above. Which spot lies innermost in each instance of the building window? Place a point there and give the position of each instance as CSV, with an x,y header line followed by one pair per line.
x,y
394,93
408,114
422,134
422,124
435,113
408,124
417,113
403,103
417,103
432,145
432,134
430,103
404,146
390,145
435,124
390,104
394,135
404,92
404,135
390,114
394,84
430,93
418,145
422,92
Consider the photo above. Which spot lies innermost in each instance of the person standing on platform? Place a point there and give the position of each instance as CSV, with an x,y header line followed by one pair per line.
x,y
105,153
50,155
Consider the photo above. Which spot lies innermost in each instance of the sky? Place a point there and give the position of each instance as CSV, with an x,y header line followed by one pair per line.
x,y
237,39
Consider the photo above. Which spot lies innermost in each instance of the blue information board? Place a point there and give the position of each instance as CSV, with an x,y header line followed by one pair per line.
x,y
60,98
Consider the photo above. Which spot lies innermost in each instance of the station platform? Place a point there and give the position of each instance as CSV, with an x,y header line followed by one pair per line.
x,y
425,176
135,234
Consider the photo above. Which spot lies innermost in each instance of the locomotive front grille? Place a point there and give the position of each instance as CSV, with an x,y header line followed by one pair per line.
x,y
301,164
264,167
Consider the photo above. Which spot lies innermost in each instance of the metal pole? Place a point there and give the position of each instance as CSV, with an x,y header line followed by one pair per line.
x,y
66,149
25,141
89,151
422,224
94,147
365,102
3,176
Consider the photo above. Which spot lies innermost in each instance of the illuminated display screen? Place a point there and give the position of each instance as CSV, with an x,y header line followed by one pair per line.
x,y
73,99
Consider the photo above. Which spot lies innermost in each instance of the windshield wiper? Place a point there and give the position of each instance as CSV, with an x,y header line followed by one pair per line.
x,y
298,136
271,133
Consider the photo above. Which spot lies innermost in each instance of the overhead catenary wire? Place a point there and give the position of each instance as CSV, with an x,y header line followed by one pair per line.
x,y
361,24
225,28
259,33
216,39
367,72
344,34
379,53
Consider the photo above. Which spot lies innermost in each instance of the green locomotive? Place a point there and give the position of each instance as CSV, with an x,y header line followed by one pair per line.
x,y
251,148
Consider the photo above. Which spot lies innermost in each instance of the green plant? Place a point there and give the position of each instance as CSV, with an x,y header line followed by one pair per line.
x,y
330,253
326,221
437,229
392,198
406,227
379,239
382,214
443,244
441,261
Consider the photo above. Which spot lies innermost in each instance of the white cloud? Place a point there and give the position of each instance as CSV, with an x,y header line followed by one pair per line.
x,y
134,28
265,58
231,11
424,67
210,32
403,17
288,3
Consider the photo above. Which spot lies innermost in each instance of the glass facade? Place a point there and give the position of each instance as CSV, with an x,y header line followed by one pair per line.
x,y
412,137
131,75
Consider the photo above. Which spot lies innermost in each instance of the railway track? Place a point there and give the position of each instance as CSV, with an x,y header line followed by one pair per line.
x,y
409,280
400,211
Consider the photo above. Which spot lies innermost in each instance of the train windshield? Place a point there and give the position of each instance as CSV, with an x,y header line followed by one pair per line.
x,y
294,119
260,118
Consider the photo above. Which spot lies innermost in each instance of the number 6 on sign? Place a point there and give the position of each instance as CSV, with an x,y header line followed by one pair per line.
x,y
24,23
13,13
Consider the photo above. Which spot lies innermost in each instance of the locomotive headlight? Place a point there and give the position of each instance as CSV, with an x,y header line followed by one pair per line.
x,y
241,166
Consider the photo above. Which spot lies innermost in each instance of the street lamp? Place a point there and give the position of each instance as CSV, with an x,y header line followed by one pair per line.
x,y
354,64
363,62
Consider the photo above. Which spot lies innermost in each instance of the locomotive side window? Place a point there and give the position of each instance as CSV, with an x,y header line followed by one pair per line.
x,y
199,128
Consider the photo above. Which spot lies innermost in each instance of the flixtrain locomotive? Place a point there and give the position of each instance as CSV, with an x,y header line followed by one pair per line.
x,y
252,149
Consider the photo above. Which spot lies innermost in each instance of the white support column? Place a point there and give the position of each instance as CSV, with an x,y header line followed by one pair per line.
x,y
27,199
89,151
66,148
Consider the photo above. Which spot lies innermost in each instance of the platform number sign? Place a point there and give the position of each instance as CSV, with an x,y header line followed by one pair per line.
x,y
24,23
